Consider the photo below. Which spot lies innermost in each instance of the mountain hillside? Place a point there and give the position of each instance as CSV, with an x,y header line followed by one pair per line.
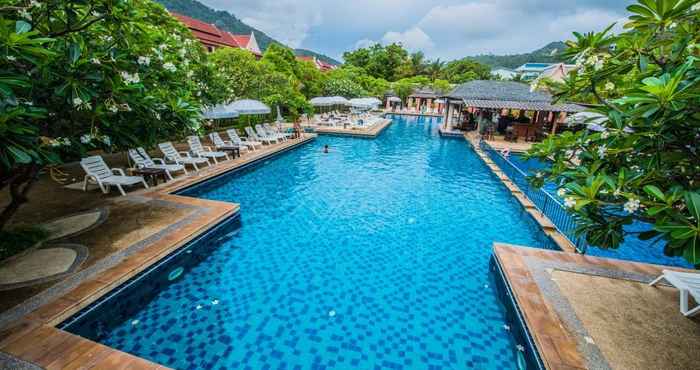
x,y
548,54
227,21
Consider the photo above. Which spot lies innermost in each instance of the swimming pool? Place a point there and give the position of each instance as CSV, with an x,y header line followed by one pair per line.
x,y
375,255
632,248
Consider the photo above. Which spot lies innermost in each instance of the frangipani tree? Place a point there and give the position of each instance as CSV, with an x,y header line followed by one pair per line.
x,y
646,165
80,75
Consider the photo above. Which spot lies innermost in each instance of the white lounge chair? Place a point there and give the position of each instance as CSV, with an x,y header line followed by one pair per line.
x,y
182,158
251,134
96,170
204,151
276,131
270,132
261,132
143,160
233,135
221,144
686,283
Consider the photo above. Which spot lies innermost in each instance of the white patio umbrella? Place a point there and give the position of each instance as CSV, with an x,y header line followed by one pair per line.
x,y
339,100
394,99
439,101
321,101
249,106
220,111
594,121
361,103
374,101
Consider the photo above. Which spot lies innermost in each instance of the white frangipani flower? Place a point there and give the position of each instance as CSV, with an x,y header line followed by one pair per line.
x,y
631,205
609,86
598,64
602,150
130,78
561,192
604,135
144,61
24,13
169,67
95,61
569,202
77,101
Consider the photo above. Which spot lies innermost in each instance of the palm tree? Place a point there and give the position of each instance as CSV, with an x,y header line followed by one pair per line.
x,y
417,63
434,68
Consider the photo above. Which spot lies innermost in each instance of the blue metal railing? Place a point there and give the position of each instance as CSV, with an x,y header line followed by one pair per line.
x,y
547,204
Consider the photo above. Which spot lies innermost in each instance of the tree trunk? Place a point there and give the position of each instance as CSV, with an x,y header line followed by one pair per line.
x,y
20,183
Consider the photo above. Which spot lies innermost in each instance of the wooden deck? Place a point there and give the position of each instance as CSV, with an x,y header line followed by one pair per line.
x,y
499,143
369,133
388,111
35,339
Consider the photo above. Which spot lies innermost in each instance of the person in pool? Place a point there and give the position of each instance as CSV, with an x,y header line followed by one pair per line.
x,y
325,148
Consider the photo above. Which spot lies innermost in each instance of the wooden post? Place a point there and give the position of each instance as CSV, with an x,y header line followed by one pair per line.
x,y
555,122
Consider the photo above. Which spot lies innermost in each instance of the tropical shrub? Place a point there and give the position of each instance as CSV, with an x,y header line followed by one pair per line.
x,y
83,75
646,165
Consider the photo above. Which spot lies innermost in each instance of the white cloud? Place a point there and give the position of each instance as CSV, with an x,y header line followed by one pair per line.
x,y
287,21
413,39
364,43
501,27
442,28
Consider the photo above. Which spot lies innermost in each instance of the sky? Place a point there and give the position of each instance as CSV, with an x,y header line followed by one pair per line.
x,y
445,29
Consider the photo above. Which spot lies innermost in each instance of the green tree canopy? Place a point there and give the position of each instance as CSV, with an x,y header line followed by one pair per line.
x,y
645,166
379,61
91,74
465,70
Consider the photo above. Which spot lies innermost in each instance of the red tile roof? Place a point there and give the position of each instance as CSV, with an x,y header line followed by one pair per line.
x,y
210,35
321,65
242,40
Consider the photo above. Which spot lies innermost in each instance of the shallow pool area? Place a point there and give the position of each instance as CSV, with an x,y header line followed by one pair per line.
x,y
374,255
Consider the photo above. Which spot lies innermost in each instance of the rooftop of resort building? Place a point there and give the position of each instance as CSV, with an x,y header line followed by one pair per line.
x,y
212,37
425,93
321,65
491,94
533,67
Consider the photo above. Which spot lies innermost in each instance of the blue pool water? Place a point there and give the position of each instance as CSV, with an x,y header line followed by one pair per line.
x,y
375,255
632,249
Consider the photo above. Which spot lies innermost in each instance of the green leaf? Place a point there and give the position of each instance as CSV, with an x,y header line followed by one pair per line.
x,y
74,52
22,27
692,201
20,155
655,192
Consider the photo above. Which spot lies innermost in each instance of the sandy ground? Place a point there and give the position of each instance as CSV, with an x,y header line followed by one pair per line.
x,y
634,325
